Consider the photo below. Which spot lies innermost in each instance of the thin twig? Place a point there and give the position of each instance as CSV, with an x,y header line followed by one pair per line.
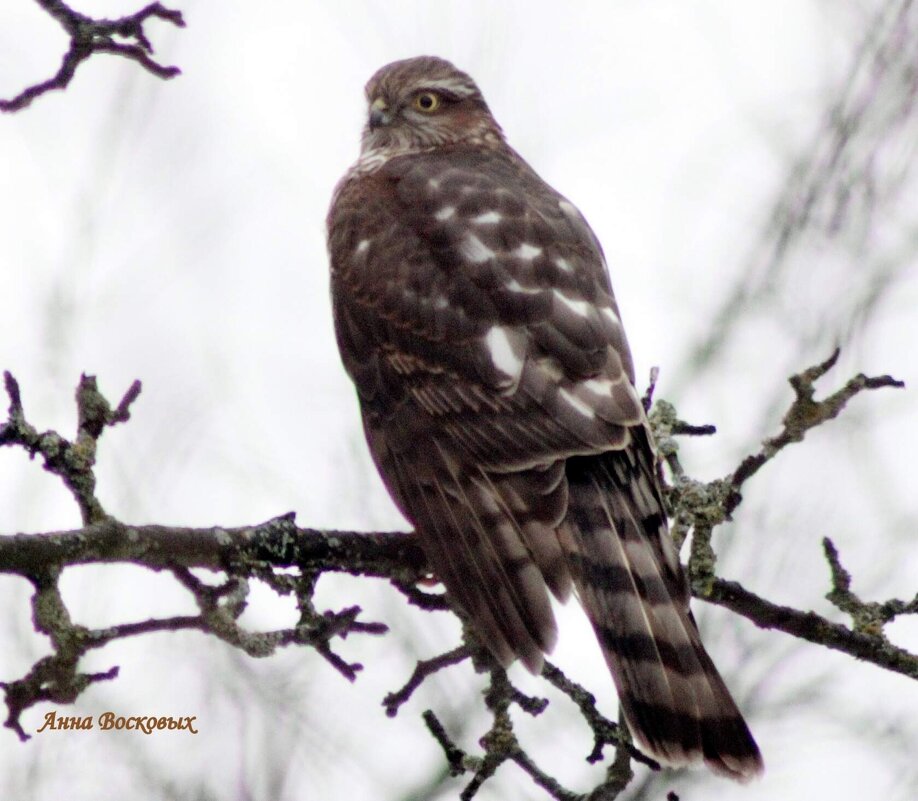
x,y
605,732
89,36
455,756
424,669
804,414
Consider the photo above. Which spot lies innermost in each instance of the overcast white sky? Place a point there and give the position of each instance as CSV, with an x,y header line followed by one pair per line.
x,y
174,232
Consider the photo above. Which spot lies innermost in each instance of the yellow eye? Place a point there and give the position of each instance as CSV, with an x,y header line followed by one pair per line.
x,y
427,102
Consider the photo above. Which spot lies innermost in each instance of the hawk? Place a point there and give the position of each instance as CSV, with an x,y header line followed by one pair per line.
x,y
474,312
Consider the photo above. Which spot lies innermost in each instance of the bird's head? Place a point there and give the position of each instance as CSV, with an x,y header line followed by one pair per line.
x,y
425,102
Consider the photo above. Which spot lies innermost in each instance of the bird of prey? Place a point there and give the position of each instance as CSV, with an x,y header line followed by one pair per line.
x,y
474,312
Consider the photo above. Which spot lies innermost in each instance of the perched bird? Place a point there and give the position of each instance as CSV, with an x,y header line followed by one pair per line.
x,y
474,312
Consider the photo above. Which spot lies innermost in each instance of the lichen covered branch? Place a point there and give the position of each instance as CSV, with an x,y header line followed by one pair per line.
x,y
804,414
72,461
700,506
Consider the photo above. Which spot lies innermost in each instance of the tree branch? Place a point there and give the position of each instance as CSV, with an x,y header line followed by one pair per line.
x,y
89,36
268,551
71,461
809,626
699,507
805,413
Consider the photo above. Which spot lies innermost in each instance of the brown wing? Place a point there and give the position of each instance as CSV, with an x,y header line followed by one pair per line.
x,y
462,280
475,316
474,313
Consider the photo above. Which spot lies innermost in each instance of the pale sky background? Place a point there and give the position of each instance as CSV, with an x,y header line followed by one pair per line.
x,y
174,232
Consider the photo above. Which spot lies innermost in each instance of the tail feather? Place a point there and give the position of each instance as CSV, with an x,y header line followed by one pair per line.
x,y
536,501
627,577
476,549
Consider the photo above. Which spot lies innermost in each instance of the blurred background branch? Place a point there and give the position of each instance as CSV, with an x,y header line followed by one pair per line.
x,y
856,168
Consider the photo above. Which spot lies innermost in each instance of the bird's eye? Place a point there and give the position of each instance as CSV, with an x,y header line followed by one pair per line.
x,y
427,102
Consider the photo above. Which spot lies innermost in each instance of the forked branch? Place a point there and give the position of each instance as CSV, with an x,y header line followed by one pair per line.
x,y
123,37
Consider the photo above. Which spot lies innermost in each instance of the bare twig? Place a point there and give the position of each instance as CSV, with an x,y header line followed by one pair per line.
x,y
619,774
647,397
428,601
605,732
72,462
424,668
805,413
50,679
549,784
455,756
89,36
868,617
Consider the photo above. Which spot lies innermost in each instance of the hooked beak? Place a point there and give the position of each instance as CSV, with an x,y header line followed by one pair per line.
x,y
379,114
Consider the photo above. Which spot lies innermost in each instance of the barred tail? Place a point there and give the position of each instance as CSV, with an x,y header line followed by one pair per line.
x,y
630,583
